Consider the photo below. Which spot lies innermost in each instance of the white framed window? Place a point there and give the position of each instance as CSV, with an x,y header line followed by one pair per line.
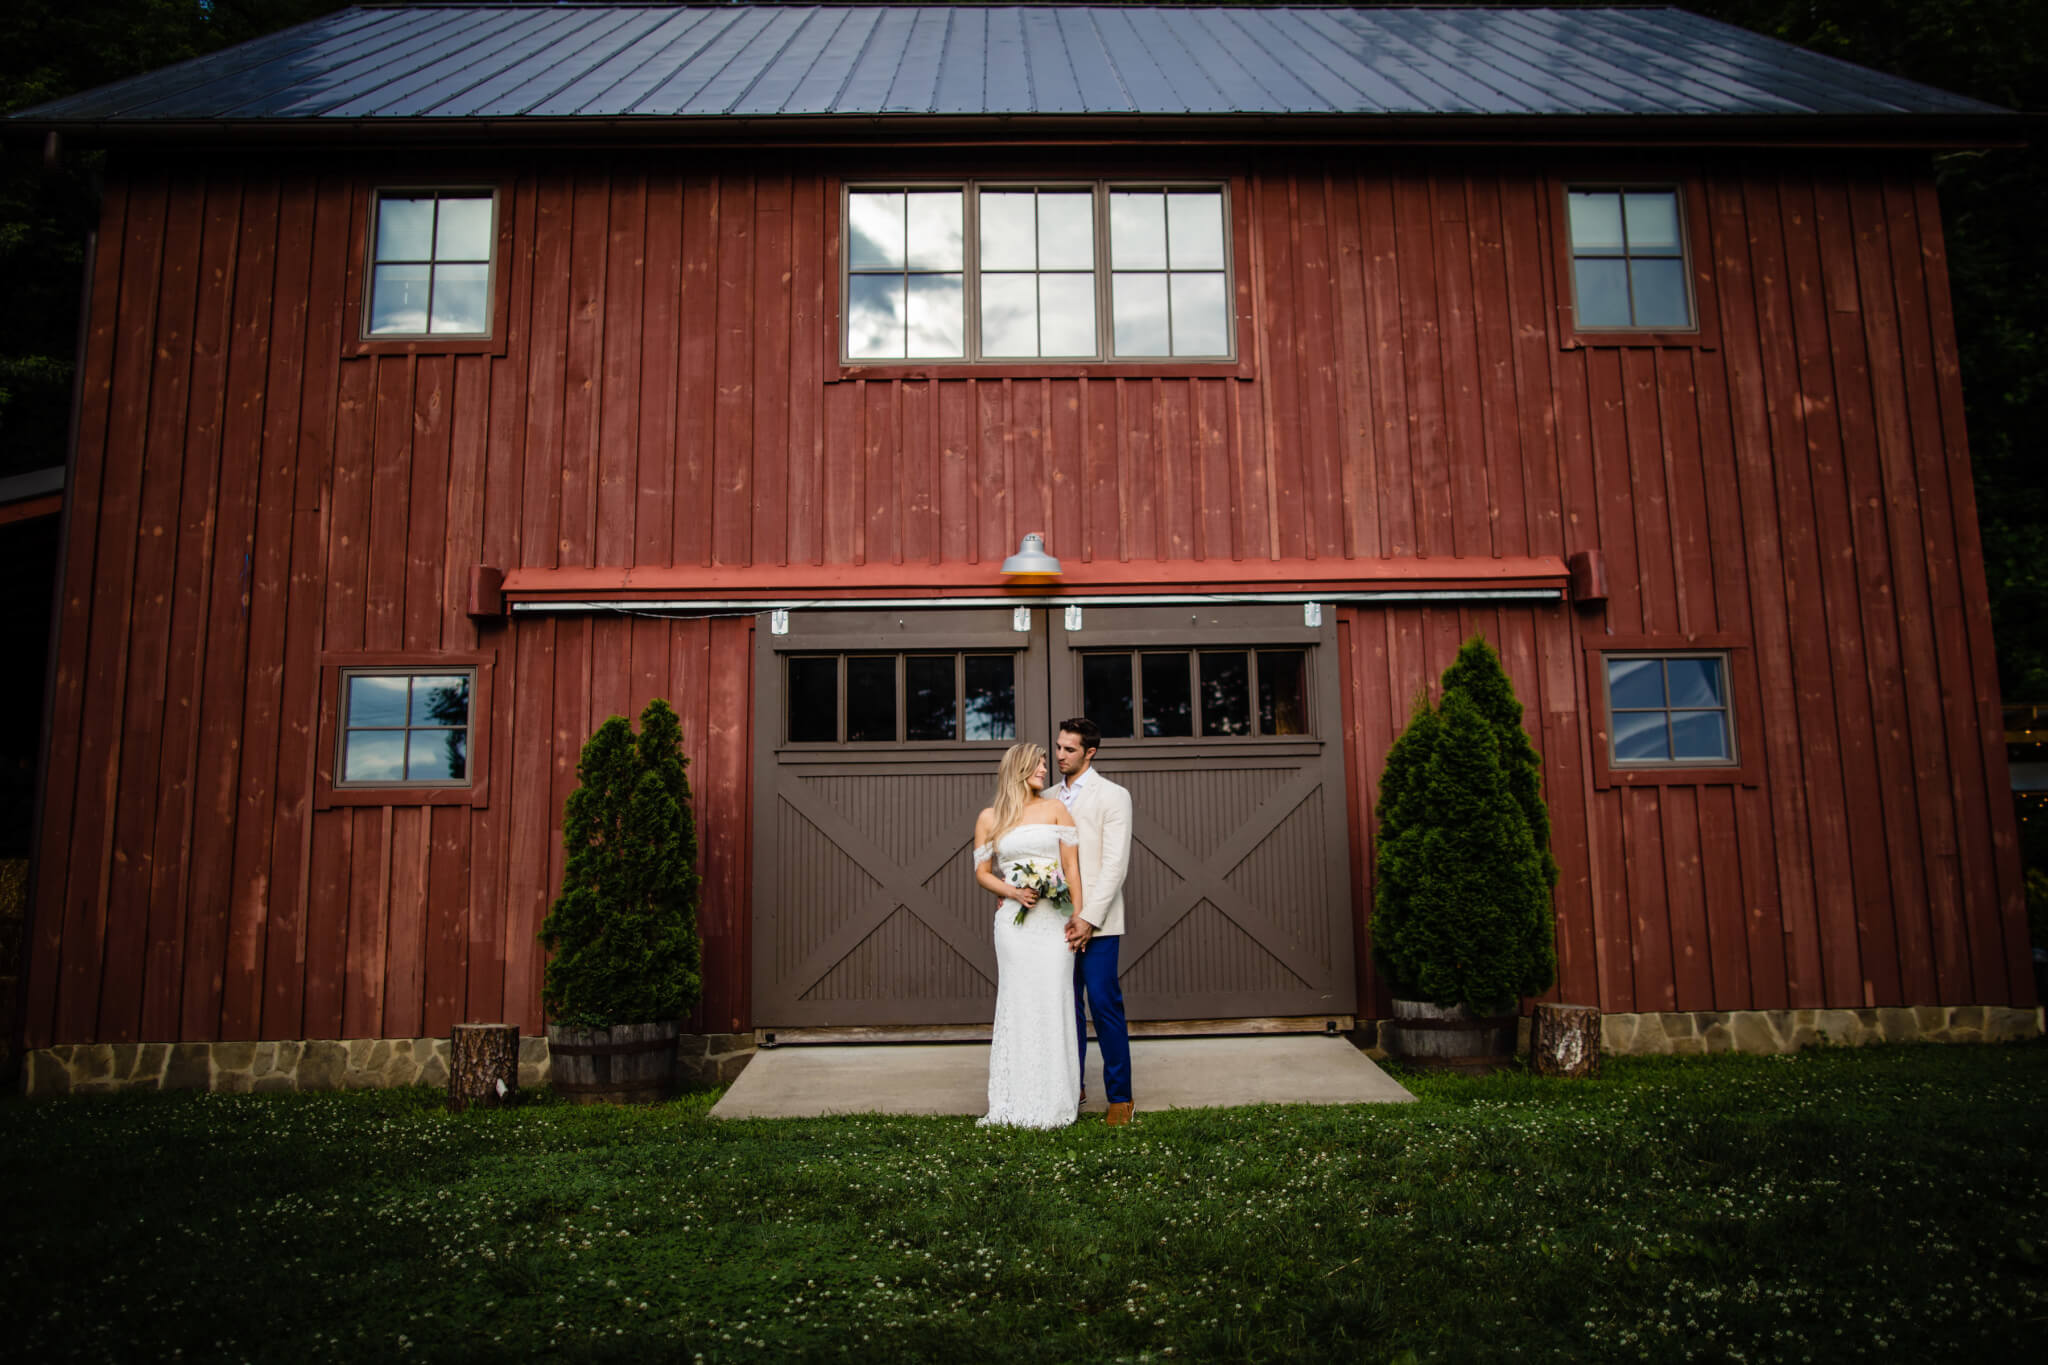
x,y
430,264
405,727
1006,272
1669,710
1628,259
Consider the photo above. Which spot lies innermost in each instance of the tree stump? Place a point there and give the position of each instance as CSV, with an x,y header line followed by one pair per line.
x,y
483,1065
1564,1040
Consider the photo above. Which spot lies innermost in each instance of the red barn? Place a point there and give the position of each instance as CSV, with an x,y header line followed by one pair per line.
x,y
455,377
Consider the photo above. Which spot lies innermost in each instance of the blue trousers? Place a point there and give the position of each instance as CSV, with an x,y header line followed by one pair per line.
x,y
1097,991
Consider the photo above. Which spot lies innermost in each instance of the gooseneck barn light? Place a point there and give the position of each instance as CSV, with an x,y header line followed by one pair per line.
x,y
1031,558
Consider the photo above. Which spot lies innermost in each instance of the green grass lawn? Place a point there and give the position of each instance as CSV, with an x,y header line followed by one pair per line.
x,y
1881,1204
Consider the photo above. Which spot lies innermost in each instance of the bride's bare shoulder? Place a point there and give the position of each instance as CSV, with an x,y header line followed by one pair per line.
x,y
986,819
1052,811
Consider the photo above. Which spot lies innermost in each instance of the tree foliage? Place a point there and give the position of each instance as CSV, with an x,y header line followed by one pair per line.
x,y
623,933
1461,892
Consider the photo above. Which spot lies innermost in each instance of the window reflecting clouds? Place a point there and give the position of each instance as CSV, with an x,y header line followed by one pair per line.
x,y
1020,272
430,272
405,728
1669,709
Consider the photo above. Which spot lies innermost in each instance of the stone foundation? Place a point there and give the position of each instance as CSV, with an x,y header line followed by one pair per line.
x,y
1768,1031
318,1064
1696,1031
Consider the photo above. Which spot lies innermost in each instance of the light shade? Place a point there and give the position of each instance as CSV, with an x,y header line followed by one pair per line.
x,y
1031,558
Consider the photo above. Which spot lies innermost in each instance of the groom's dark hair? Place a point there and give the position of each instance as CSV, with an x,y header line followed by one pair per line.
x,y
1088,730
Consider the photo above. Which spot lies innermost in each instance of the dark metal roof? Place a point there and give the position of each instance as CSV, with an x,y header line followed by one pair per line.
x,y
535,65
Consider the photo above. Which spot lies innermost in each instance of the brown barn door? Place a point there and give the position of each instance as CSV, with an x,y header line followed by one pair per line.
x,y
1223,723
878,735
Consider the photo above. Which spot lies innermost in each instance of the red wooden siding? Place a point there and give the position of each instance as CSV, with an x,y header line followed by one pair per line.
x,y
248,503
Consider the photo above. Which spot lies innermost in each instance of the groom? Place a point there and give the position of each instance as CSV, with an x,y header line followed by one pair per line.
x,y
1102,814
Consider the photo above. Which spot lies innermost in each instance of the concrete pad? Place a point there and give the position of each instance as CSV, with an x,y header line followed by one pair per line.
x,y
952,1078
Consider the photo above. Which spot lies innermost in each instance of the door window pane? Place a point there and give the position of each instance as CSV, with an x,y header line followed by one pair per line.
x,y
928,701
1283,692
1167,707
813,700
1106,693
871,699
991,696
1226,693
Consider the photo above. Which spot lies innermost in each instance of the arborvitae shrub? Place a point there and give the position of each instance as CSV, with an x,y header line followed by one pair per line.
x,y
1461,895
623,933
1477,672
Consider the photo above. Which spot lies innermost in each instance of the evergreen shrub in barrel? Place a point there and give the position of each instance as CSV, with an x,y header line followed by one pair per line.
x,y
625,961
1462,922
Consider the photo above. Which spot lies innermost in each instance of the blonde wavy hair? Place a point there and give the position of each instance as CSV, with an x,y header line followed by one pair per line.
x,y
1013,787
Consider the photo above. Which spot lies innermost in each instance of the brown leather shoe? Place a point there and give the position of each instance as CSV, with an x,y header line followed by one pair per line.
x,y
1119,1114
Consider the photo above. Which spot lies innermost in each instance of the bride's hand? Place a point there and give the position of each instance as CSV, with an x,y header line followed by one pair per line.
x,y
1024,896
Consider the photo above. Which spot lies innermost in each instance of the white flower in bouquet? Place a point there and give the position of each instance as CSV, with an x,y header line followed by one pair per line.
x,y
1044,876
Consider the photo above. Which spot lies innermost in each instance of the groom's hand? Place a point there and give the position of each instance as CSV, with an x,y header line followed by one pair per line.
x,y
1079,931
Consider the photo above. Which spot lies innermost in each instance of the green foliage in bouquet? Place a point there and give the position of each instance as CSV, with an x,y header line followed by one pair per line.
x,y
623,933
1461,896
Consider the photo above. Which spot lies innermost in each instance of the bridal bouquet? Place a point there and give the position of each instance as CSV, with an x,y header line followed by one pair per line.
x,y
1044,876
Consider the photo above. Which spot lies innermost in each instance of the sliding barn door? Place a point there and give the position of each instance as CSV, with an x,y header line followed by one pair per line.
x,y
878,736
1223,723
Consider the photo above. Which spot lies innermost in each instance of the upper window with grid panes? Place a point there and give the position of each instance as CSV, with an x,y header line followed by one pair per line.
x,y
1628,260
430,264
1019,273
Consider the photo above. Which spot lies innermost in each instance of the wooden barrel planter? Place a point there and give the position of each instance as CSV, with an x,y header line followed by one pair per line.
x,y
624,1064
1451,1038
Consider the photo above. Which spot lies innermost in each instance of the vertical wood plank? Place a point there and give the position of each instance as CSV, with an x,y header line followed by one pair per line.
x,y
118,324
623,348
774,338
131,943
235,981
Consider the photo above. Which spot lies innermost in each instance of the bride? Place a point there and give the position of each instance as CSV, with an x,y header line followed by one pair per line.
x,y
1034,1069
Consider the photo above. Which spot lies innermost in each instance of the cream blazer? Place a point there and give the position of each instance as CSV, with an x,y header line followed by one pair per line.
x,y
1102,815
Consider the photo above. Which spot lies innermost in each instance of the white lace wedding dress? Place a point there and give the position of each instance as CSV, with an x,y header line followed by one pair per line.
x,y
1034,1064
